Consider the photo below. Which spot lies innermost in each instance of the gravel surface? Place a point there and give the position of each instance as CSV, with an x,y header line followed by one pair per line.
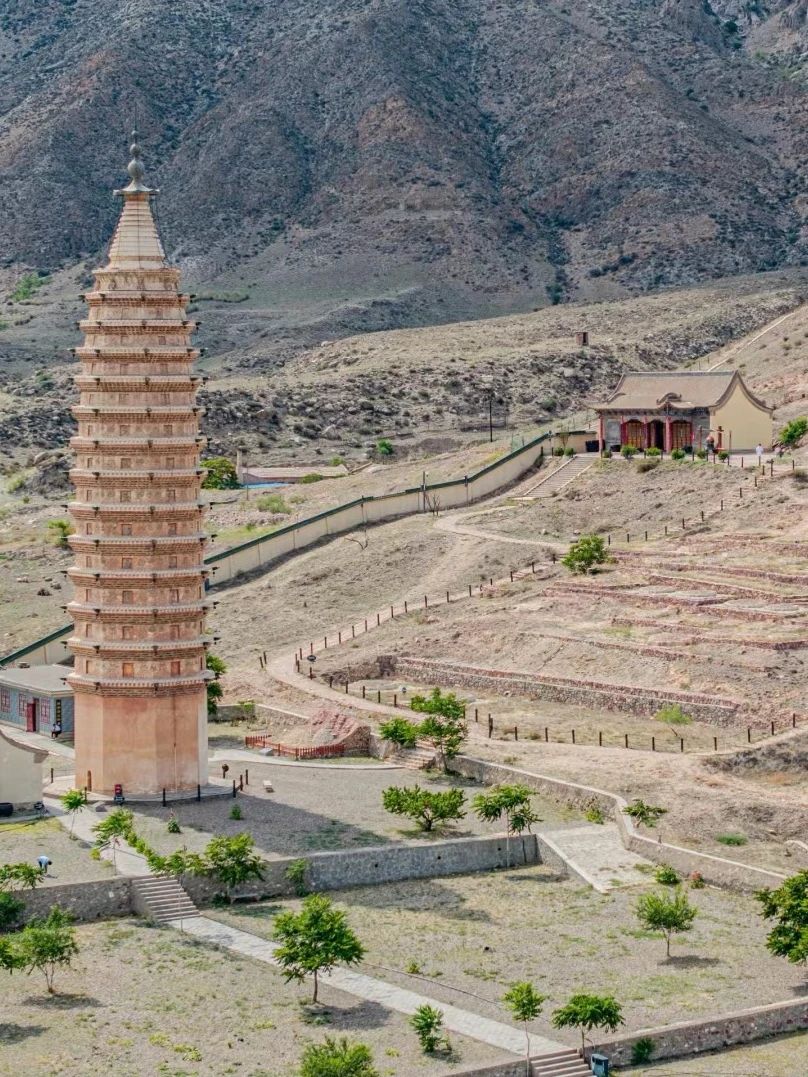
x,y
313,808
142,1000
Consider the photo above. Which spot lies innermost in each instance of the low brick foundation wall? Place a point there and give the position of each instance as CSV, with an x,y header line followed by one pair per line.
x,y
644,702
101,900
713,1033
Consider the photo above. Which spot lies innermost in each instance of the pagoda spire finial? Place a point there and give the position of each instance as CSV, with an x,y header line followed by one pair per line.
x,y
137,172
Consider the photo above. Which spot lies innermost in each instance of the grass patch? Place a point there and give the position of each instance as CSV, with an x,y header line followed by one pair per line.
x,y
732,839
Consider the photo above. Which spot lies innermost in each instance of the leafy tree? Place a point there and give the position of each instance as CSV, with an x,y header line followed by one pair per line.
x,y
337,1058
217,667
788,905
427,1021
584,554
425,808
44,945
525,1004
512,801
587,1012
118,824
400,731
20,876
60,530
793,431
72,802
222,474
314,940
445,724
669,914
647,814
232,861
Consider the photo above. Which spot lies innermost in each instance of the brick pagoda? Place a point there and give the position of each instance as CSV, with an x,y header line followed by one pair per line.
x,y
139,582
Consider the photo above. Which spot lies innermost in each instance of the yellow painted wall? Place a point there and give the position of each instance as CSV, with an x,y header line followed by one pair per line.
x,y
747,423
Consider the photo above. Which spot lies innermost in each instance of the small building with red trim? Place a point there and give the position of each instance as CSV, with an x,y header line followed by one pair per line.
x,y
680,409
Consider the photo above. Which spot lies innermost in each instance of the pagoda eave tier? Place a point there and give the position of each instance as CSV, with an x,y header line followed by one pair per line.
x,y
133,544
113,513
143,325
138,382
168,686
116,578
135,444
125,479
131,352
143,414
124,648
138,614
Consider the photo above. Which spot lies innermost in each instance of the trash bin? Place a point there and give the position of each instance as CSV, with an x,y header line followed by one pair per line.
x,y
600,1065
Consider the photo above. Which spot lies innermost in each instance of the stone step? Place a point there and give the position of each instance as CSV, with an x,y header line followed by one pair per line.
x,y
163,899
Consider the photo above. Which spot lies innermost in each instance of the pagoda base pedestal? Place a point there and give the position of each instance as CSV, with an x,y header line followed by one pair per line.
x,y
143,743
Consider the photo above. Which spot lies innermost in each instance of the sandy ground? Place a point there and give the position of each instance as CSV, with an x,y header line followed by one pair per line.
x,y
25,841
494,929
142,1000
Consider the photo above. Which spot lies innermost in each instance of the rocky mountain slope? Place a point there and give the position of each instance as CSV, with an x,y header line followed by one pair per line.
x,y
336,166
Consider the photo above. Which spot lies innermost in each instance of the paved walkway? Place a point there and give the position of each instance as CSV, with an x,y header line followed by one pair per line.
x,y
463,1022
124,859
596,855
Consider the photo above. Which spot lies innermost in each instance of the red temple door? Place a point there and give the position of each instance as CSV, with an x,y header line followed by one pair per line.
x,y
30,716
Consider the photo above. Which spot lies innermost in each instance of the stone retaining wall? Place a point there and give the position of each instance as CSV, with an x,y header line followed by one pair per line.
x,y
713,1033
101,900
716,870
644,702
694,636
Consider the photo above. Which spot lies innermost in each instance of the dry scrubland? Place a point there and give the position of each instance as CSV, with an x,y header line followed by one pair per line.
x,y
526,924
71,861
143,1000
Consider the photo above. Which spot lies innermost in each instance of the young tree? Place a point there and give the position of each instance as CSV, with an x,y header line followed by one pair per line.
x,y
222,474
669,914
46,944
72,802
584,554
314,940
587,1012
118,824
424,807
337,1058
445,722
427,1021
214,689
647,814
8,956
400,731
525,1004
232,861
788,905
512,801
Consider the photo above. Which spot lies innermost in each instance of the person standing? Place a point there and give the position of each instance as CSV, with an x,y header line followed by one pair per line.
x,y
759,453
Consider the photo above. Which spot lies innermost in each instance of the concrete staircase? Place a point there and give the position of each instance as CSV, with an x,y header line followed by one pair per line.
x,y
418,758
161,898
562,1063
559,478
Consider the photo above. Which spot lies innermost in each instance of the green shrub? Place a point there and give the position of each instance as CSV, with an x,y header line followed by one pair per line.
x,y
678,454
647,814
273,503
27,286
594,814
793,431
173,826
732,839
644,466
653,451
336,461
628,451
426,809
337,1058
296,874
61,530
384,447
723,454
607,454
10,911
701,454
221,474
313,476
696,880
569,451
672,714
585,553
642,1051
15,483
235,812
558,451
427,1021
667,875
400,731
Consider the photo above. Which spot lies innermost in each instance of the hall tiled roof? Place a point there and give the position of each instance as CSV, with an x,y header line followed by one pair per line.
x,y
680,389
